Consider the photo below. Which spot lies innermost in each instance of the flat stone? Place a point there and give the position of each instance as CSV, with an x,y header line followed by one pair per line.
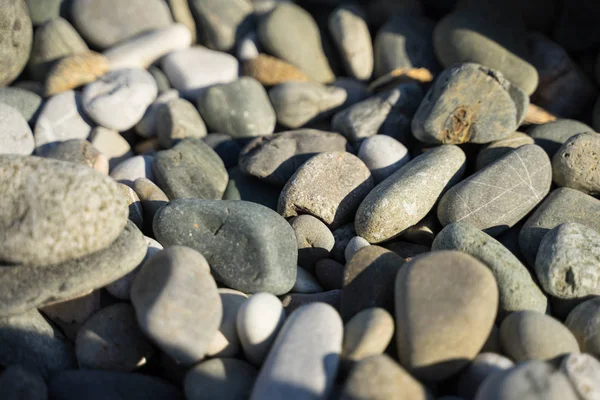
x,y
146,127
482,367
582,371
499,148
17,137
220,378
248,188
516,288
177,120
521,340
314,239
383,155
248,246
574,165
551,135
110,143
434,341
177,304
406,196
330,273
225,146
500,195
69,315
293,301
131,169
310,341
221,23
306,283
73,71
329,186
25,101
271,71
226,342
354,245
81,152
367,334
19,383
584,322
17,37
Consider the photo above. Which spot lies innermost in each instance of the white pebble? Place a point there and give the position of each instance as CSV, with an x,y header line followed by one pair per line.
x,y
383,155
16,136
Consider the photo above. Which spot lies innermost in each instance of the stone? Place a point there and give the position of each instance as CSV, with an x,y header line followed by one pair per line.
x,y
151,198
220,378
136,214
356,90
41,11
131,169
73,71
191,169
180,10
81,152
31,342
314,239
98,23
434,341
112,340
19,383
276,158
367,334
304,359
146,127
351,35
380,377
551,135
383,155
143,50
560,206
575,163
248,246
32,86
224,110
16,137
482,367
342,236
354,245
162,82
424,231
226,342
226,147
582,371
192,70
176,120
25,101
469,103
248,48
406,250
17,38
584,322
119,99
306,283
330,273
271,71
248,188
61,118
293,301
494,199
177,304
110,143
329,186
290,33
516,288
521,340
70,315
300,103
44,204
28,286
406,196
499,148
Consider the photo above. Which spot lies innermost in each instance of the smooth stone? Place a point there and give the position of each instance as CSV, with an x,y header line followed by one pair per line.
x,y
221,23
380,377
62,118
73,71
248,246
71,314
584,322
248,188
16,137
330,274
18,383
406,196
220,378
101,385
28,286
224,110
329,186
17,38
290,33
136,213
151,198
131,169
293,301
50,230
177,303
551,135
314,239
110,143
354,245
482,367
583,371
367,334
369,279
143,50
248,48
383,155
575,164
560,206
191,169
271,71
276,158
300,103
119,99
342,236
494,199
192,70
303,361
469,103
225,146
433,340
32,86
351,35
182,14
521,340
25,101
226,342
356,90
102,27
81,152
177,120
162,81
517,290
499,148
146,127
112,340
424,231
306,283
30,341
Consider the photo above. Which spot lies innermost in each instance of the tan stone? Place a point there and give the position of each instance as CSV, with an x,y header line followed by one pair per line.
x,y
74,71
368,333
271,71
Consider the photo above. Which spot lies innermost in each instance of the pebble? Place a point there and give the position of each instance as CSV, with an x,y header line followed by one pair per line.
x,y
191,169
293,301
224,110
248,246
300,103
330,273
81,152
119,99
499,148
276,158
17,38
226,342
342,236
248,188
192,70
162,82
405,197
482,367
220,378
424,231
356,90
583,371
71,314
469,103
98,23
584,322
19,383
306,283
132,169
41,11
180,9
151,198
17,137
112,340
434,341
136,214
177,304
177,120
367,334
575,163
62,118
146,127
248,48
73,71
521,340
290,33
271,71
406,250
383,155
226,147
551,135
354,245
304,359
143,50
500,195
110,143
517,290
314,239
25,101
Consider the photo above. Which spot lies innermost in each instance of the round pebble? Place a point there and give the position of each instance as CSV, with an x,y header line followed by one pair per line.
x,y
367,334
146,127
314,239
17,37
25,101
575,163
354,245
133,168
222,22
226,342
383,155
110,143
16,137
176,120
551,135
220,378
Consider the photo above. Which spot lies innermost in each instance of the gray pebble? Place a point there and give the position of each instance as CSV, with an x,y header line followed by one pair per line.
x,y
367,334
551,135
110,143
43,10
575,163
306,283
81,152
18,383
176,120
132,169
583,371
146,127
17,36
28,103
162,82
482,367
314,239
499,148
221,23
383,155
354,245
16,137
220,379
584,322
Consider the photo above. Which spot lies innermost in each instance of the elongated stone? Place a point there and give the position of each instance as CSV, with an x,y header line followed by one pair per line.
x,y
584,322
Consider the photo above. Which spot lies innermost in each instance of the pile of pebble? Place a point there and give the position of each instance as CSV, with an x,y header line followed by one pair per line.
x,y
235,199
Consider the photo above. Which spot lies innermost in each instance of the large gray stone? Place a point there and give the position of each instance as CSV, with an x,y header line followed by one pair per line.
x,y
28,103
499,148
551,135
584,322
575,163
17,36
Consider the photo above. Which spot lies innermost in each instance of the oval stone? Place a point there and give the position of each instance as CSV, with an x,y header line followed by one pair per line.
x,y
575,163
17,36
584,322
367,334
383,155
551,135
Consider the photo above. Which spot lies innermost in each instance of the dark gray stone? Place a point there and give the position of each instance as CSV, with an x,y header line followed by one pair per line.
x,y
25,101
176,120
16,37
575,165
248,188
330,273
315,240
342,236
226,147
80,152
220,379
17,383
551,135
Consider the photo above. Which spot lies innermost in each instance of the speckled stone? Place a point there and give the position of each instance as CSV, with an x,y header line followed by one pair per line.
x,y
482,367
226,342
110,143
176,120
69,315
383,155
19,383
584,322
575,163
367,334
582,371
220,378
314,239
80,152
73,71
25,101
16,137
499,148
17,37
271,71
133,168
551,135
